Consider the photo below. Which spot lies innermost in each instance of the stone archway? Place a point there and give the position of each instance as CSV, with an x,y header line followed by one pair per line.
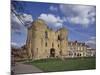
x,y
52,52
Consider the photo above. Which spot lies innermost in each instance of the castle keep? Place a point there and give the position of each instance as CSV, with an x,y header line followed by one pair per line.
x,y
43,42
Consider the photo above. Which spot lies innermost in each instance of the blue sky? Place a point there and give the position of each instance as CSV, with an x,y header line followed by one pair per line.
x,y
78,19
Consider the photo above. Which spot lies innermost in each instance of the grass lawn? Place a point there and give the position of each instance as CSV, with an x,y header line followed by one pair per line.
x,y
69,64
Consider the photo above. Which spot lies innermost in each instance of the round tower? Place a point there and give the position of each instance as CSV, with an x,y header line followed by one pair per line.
x,y
35,39
63,37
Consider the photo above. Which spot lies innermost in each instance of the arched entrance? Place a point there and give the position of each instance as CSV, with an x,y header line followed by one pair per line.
x,y
52,52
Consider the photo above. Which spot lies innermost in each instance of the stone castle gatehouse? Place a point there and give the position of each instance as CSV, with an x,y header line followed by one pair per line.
x,y
43,42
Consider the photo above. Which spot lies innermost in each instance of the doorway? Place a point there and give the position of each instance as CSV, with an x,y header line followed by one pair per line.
x,y
52,52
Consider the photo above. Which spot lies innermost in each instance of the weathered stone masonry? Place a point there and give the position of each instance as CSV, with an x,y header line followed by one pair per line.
x,y
43,42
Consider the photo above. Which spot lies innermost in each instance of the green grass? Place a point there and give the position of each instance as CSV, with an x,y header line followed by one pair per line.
x,y
69,64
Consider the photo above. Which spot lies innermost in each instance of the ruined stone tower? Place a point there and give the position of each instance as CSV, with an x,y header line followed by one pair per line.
x,y
43,42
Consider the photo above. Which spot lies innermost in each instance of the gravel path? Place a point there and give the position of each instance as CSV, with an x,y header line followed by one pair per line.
x,y
25,69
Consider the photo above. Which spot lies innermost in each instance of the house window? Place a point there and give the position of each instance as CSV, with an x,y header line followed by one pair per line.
x,y
80,55
74,54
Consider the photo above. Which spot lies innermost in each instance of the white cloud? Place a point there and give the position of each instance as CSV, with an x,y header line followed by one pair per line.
x,y
79,20
14,44
27,18
52,8
91,42
79,14
21,20
51,20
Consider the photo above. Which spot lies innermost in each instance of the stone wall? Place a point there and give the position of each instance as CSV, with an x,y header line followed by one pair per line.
x,y
43,42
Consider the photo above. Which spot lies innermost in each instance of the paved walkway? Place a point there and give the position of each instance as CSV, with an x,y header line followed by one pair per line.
x,y
25,69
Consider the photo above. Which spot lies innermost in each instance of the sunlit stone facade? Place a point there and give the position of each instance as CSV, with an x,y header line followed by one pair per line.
x,y
43,42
